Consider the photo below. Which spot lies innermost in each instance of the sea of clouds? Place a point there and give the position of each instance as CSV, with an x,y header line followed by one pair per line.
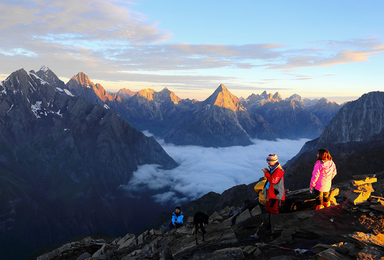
x,y
202,170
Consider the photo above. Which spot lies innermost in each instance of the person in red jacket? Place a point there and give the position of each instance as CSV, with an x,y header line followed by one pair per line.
x,y
275,191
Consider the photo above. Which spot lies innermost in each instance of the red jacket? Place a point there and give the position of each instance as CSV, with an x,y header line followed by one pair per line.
x,y
273,179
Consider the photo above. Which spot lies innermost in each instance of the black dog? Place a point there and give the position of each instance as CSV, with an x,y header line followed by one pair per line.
x,y
198,220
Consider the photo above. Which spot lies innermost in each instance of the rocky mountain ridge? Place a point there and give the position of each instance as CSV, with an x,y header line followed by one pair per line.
x,y
264,116
354,137
62,161
342,231
220,121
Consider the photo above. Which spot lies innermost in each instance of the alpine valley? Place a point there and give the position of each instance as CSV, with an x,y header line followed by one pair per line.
x,y
66,149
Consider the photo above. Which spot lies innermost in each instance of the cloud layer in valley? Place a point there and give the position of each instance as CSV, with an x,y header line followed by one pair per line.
x,y
203,169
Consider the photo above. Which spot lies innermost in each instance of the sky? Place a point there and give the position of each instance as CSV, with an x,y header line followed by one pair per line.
x,y
331,49
202,170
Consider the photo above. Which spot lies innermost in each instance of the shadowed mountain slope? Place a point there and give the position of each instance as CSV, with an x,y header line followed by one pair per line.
x,y
354,137
62,161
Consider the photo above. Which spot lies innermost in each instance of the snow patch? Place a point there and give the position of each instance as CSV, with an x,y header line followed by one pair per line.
x,y
43,82
44,68
57,113
10,109
68,93
36,107
106,106
33,88
59,89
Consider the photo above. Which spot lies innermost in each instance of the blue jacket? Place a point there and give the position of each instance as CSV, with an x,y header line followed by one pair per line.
x,y
178,218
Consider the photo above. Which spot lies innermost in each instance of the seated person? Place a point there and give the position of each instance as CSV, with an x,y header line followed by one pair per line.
x,y
177,219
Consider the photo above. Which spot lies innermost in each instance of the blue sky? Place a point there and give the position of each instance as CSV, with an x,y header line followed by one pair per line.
x,y
331,49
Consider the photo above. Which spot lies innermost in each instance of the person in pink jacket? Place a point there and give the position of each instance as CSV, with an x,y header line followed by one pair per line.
x,y
323,173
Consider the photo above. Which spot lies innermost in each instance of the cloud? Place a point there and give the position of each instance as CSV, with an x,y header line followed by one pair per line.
x,y
331,53
99,37
203,169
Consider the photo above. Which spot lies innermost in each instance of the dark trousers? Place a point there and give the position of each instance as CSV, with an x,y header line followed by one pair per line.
x,y
170,225
322,197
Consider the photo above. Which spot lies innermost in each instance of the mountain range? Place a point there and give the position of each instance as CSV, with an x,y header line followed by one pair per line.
x,y
219,121
62,161
66,149
354,137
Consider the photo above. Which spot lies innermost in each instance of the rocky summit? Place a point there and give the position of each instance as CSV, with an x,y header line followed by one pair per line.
x,y
349,229
219,121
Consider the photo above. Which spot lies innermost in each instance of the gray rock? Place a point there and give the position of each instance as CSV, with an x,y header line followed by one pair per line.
x,y
225,212
140,239
124,239
256,211
190,222
257,252
101,253
83,256
305,214
249,249
243,216
130,242
370,252
332,254
215,218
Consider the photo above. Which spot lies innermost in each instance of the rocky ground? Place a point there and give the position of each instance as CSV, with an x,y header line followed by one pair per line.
x,y
342,231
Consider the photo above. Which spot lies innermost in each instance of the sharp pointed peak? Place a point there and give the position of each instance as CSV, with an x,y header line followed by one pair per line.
x,y
222,87
222,97
44,68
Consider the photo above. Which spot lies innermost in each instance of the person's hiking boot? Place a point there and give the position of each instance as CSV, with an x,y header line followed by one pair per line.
x,y
326,204
319,207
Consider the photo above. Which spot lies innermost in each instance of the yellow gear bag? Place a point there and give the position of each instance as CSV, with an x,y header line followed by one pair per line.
x,y
258,188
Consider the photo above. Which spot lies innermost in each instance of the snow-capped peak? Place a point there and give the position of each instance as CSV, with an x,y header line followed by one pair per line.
x,y
44,68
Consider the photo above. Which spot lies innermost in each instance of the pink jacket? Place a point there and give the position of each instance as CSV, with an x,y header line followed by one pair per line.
x,y
322,175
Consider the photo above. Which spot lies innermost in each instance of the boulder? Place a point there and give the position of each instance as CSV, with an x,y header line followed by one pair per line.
x,y
370,252
256,211
154,232
249,249
124,239
332,254
215,218
257,252
357,198
102,253
83,256
225,212
371,239
130,242
243,216
190,222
